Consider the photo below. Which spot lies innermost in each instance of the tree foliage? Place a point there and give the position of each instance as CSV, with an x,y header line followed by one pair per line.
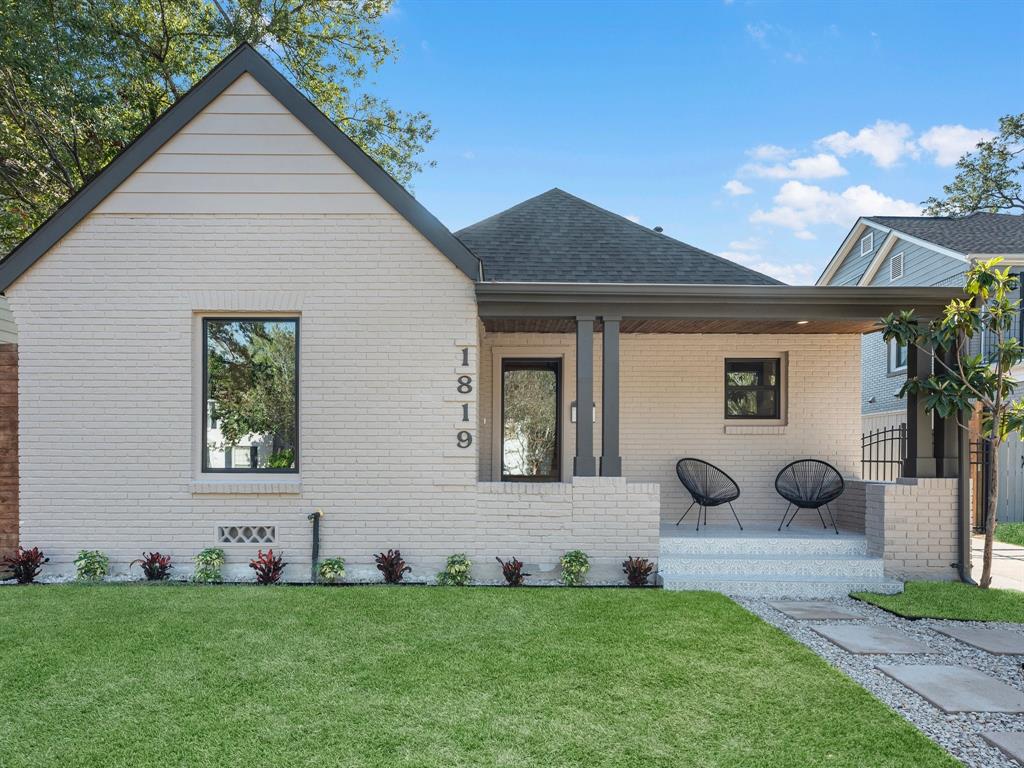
x,y
989,178
530,421
961,382
79,79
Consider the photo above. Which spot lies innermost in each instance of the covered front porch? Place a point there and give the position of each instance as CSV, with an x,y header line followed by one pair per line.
x,y
653,362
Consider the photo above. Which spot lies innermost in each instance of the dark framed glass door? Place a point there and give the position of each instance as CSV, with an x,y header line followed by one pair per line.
x,y
531,419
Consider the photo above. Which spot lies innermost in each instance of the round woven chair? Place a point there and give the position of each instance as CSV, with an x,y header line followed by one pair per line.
x,y
809,484
708,487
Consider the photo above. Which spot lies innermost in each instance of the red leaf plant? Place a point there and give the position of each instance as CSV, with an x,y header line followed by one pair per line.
x,y
26,564
268,567
512,570
392,565
637,570
155,566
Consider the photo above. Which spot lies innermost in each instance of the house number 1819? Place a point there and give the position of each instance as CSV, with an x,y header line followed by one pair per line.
x,y
464,385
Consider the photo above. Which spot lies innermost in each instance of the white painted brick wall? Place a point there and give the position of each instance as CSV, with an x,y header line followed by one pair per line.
x,y
672,403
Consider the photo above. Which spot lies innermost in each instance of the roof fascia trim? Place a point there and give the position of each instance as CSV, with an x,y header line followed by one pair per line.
x,y
856,231
243,59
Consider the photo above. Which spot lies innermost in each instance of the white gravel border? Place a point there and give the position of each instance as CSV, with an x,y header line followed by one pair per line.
x,y
959,734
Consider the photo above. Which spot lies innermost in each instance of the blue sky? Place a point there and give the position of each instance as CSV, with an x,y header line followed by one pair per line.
x,y
756,130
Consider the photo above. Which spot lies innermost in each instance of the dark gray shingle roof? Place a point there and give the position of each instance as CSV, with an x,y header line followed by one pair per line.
x,y
559,238
976,233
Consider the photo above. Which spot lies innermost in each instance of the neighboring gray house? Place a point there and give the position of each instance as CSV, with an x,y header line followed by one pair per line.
x,y
153,305
923,251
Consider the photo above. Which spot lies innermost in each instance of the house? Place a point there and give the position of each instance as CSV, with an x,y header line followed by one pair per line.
x,y
520,388
925,251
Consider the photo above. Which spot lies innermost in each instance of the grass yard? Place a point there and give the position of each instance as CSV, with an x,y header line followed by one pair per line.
x,y
375,676
1010,533
951,600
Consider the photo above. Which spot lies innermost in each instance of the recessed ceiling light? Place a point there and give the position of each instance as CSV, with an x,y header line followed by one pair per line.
x,y
802,322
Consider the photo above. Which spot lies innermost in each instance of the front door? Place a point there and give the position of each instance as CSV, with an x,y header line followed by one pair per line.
x,y
531,423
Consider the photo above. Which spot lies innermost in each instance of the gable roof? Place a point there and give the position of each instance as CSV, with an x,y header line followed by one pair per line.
x,y
977,233
556,237
243,59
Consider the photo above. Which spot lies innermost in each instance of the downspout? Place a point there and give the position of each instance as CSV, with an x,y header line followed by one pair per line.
x,y
963,518
314,517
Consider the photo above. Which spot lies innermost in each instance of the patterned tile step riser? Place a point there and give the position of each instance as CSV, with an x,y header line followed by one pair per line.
x,y
774,545
852,568
808,590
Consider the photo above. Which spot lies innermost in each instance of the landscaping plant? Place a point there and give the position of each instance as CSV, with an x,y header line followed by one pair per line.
x,y
91,565
332,569
575,565
456,571
392,565
268,567
208,564
637,570
155,566
26,564
512,570
962,383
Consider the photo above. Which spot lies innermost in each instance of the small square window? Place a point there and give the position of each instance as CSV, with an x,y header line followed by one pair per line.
x,y
867,243
753,388
250,394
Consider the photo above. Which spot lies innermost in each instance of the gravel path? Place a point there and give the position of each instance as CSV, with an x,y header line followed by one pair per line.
x,y
959,734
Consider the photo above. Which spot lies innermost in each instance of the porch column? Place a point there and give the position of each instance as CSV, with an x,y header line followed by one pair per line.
x,y
920,461
584,464
611,462
947,431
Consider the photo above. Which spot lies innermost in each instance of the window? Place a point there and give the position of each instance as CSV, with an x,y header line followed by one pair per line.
x,y
897,357
896,267
867,243
250,394
752,388
531,423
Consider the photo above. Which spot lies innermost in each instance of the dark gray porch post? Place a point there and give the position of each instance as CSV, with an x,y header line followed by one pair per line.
x,y
611,462
584,464
920,461
947,431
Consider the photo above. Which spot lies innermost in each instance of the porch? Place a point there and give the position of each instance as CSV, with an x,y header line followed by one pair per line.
x,y
651,362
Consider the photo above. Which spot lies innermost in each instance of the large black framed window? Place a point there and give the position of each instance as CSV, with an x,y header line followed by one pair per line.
x,y
531,420
250,394
753,388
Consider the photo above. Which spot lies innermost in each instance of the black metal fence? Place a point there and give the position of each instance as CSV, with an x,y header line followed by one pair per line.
x,y
882,452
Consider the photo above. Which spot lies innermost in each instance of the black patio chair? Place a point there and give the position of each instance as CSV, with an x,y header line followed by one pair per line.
x,y
708,486
809,484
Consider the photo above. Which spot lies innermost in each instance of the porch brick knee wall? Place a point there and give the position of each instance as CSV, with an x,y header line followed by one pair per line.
x,y
850,508
912,525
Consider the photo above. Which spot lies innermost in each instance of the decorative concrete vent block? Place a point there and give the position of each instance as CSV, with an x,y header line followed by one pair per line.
x,y
246,534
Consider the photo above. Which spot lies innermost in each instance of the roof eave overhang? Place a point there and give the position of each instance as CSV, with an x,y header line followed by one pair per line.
x,y
706,302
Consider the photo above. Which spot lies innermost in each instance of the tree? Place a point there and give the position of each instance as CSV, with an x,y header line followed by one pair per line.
x,y
989,178
962,382
80,79
530,421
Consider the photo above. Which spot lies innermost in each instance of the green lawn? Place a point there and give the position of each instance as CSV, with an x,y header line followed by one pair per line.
x,y
951,600
418,676
1010,533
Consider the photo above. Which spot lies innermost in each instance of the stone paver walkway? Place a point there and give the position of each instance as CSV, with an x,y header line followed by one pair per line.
x,y
960,683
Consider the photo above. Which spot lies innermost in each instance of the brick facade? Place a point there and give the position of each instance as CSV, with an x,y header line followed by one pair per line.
x,y
8,448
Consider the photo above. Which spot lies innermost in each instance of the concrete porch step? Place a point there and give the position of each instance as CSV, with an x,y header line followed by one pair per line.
x,y
807,587
714,544
852,567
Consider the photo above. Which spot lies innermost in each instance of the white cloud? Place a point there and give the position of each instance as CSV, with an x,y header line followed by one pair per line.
x,y
886,142
634,218
821,166
770,152
759,33
803,234
797,273
800,206
950,142
736,188
750,244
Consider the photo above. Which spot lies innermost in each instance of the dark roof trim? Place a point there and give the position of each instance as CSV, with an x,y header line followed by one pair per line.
x,y
708,302
243,59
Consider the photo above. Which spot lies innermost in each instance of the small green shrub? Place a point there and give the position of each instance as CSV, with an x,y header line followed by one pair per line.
x,y
456,571
575,565
91,565
1010,533
332,569
208,564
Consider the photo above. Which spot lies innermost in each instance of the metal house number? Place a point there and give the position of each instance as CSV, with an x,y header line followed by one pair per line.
x,y
464,385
